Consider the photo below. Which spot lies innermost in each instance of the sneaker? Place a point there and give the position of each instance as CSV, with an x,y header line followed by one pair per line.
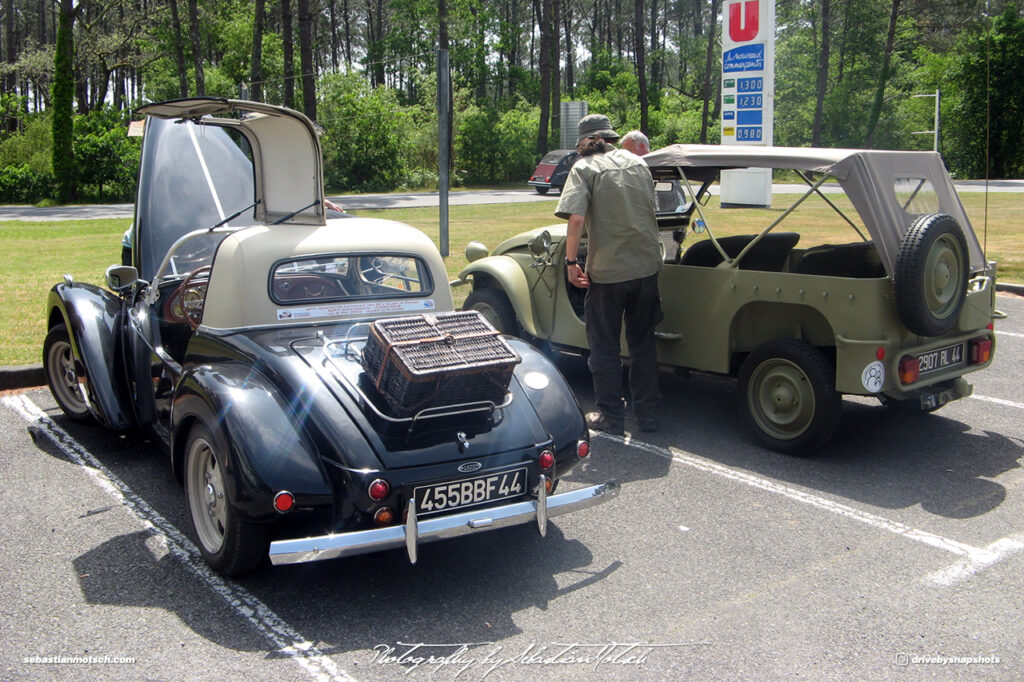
x,y
648,425
598,422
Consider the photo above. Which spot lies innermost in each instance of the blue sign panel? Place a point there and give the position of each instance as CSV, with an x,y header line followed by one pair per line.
x,y
748,134
728,115
749,118
744,58
749,101
749,84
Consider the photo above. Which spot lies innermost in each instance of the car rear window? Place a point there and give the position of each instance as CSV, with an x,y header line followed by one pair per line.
x,y
916,195
553,157
320,279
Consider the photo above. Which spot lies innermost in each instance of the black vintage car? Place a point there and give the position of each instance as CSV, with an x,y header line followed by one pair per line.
x,y
237,335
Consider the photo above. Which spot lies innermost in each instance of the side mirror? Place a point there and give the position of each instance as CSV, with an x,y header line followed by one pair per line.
x,y
121,277
540,245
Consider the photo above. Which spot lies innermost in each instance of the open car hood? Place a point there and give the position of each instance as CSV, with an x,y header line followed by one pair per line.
x,y
889,189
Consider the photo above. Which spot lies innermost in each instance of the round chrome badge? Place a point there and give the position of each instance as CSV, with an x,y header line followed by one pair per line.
x,y
538,381
469,466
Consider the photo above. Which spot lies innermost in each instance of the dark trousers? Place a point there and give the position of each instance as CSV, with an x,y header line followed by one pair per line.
x,y
606,305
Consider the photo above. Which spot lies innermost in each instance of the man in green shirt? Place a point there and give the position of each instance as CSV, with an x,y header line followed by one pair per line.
x,y
609,195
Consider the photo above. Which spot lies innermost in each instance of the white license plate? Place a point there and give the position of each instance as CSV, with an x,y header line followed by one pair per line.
x,y
941,358
469,492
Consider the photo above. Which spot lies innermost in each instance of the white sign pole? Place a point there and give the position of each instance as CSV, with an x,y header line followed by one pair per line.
x,y
748,95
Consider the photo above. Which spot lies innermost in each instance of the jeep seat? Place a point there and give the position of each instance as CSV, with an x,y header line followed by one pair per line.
x,y
768,254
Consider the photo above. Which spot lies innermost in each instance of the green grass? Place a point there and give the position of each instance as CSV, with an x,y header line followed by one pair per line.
x,y
35,255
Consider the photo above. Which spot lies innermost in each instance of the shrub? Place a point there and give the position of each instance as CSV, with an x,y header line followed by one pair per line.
x,y
19,184
366,135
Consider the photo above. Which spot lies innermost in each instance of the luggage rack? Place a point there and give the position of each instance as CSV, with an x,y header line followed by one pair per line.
x,y
345,348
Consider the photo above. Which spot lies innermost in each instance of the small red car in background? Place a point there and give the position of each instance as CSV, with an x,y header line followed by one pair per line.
x,y
552,170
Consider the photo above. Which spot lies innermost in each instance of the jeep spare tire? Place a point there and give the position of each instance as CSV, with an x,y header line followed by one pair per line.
x,y
931,275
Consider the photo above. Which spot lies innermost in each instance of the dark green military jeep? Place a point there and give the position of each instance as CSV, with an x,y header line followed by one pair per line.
x,y
898,304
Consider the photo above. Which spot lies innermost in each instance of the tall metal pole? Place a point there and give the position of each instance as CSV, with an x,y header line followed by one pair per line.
x,y
444,114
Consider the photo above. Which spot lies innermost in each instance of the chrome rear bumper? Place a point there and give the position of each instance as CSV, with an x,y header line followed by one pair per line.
x,y
414,532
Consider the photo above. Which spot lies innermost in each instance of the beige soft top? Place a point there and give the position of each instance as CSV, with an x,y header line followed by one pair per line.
x,y
868,177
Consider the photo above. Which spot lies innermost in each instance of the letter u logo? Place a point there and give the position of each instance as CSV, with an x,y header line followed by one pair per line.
x,y
744,28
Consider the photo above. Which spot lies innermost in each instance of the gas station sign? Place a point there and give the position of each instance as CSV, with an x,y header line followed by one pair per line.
x,y
748,94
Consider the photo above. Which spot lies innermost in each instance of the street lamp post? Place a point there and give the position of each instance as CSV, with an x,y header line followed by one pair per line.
x,y
938,97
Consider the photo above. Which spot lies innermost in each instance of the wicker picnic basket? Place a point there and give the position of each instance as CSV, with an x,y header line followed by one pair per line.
x,y
421,361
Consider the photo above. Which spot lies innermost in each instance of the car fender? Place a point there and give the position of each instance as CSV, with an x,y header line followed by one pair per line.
x,y
93,317
256,431
552,399
504,273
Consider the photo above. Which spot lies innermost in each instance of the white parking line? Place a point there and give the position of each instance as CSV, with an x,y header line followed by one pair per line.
x,y
282,636
999,401
974,558
970,565
1014,334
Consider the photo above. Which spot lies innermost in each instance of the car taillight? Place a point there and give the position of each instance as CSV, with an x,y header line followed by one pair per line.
x,y
385,516
547,179
284,501
910,370
979,350
379,489
582,449
546,460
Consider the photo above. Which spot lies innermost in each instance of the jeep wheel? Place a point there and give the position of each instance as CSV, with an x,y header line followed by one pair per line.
x,y
64,374
787,396
494,305
931,275
228,544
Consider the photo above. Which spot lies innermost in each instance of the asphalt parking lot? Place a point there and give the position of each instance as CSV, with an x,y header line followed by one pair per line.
x,y
896,553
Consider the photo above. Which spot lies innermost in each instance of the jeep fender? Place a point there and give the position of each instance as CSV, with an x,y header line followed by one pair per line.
x,y
93,317
504,273
255,430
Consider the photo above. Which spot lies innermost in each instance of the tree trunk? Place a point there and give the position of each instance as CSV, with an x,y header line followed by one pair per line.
x,y
288,47
709,55
823,62
334,34
348,35
63,159
197,51
306,59
256,65
883,76
641,60
556,85
179,52
542,8
570,48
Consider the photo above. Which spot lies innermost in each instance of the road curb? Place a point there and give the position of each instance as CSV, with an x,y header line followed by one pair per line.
x,y
26,376
29,376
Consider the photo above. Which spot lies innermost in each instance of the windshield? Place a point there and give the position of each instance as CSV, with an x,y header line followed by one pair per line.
x,y
191,177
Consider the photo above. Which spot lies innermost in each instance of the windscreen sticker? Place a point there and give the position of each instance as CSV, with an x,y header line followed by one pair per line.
x,y
355,308
873,377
